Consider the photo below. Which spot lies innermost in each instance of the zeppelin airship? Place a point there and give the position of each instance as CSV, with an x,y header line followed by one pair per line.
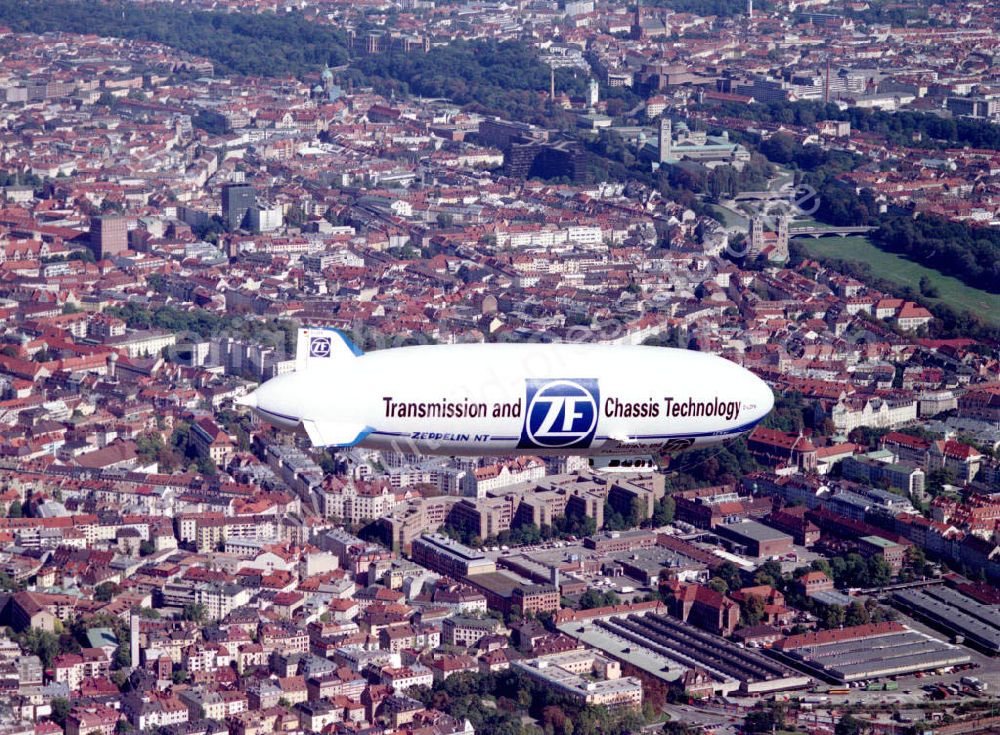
x,y
623,406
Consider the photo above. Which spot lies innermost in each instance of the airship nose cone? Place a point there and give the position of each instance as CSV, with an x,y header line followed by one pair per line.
x,y
278,401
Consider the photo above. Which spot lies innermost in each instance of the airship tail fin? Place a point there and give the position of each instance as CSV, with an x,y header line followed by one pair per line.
x,y
335,433
319,346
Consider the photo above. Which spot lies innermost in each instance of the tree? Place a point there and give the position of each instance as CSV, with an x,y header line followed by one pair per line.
x,y
879,571
928,288
855,573
663,511
613,520
146,548
938,478
857,614
7,583
149,446
593,598
195,611
15,510
730,574
780,148
41,643
206,467
833,616
769,573
752,610
718,584
554,718
60,710
105,591
763,721
916,561
678,727
848,725
123,656
268,45
822,565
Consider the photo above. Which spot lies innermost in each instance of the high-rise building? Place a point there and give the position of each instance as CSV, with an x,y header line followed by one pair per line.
x,y
237,200
133,635
108,236
593,93
266,219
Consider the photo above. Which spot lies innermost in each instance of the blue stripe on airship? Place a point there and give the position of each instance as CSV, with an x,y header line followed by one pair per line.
x,y
355,350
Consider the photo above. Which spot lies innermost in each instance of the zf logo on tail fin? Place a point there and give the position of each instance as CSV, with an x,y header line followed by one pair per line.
x,y
319,347
561,413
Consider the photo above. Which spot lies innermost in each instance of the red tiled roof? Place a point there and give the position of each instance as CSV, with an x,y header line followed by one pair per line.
x,y
825,637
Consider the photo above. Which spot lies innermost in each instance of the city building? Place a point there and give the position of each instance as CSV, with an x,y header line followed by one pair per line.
x,y
238,200
108,236
586,677
755,538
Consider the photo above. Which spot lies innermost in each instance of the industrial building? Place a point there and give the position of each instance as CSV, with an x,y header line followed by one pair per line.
x,y
586,677
894,554
758,540
951,611
447,556
504,591
507,593
867,652
668,648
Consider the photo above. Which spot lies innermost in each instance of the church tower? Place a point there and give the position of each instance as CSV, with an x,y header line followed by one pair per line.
x,y
666,139
781,242
637,21
756,234
593,93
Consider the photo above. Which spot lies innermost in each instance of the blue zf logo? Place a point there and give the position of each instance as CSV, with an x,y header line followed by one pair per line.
x,y
561,414
319,347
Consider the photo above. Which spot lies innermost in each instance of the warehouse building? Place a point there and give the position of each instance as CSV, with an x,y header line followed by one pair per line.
x,y
668,648
756,538
867,652
957,614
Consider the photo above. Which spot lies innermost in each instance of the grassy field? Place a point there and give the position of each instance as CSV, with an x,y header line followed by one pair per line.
x,y
807,222
729,218
905,272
